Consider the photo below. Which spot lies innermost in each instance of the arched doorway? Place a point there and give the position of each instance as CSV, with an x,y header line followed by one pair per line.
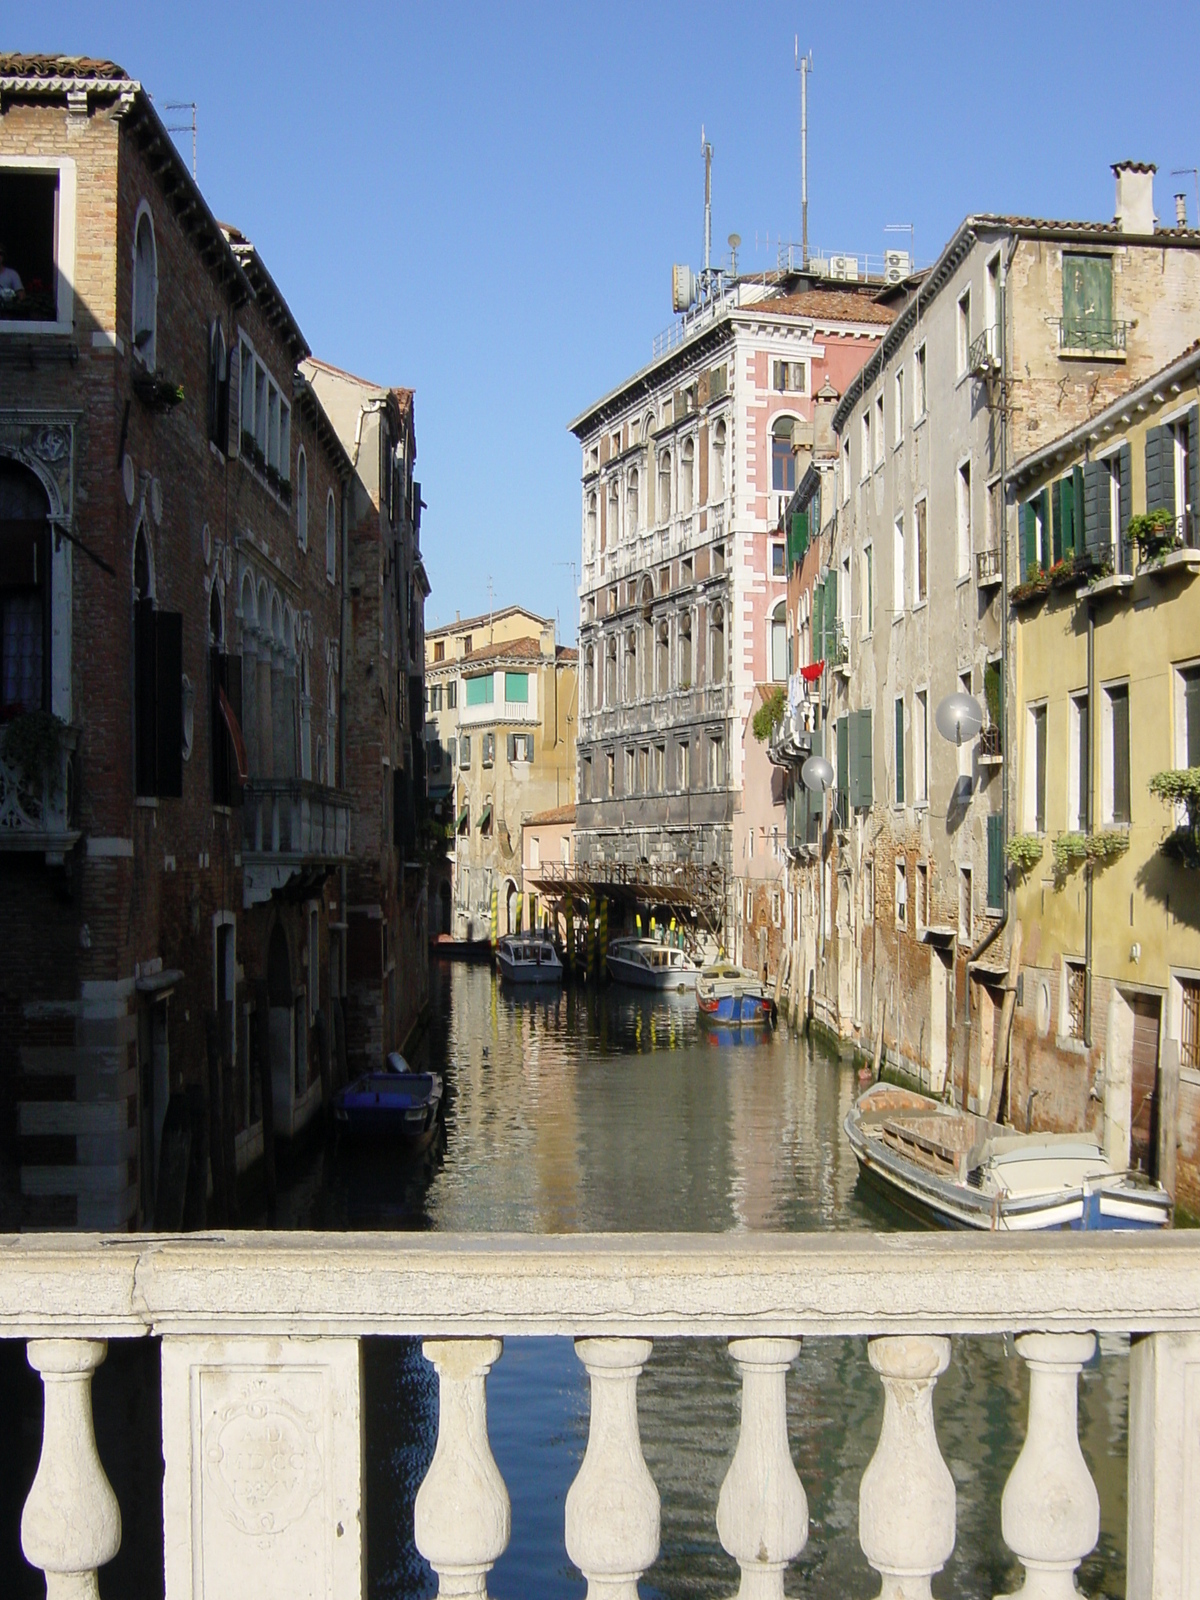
x,y
24,592
512,903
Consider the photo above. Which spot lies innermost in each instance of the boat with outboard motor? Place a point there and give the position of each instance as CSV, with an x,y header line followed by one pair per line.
x,y
528,958
959,1170
396,1104
647,964
729,994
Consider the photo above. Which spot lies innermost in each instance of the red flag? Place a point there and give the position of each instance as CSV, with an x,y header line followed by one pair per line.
x,y
235,734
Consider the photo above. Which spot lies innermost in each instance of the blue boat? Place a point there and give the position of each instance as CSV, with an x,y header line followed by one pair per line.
x,y
397,1105
728,995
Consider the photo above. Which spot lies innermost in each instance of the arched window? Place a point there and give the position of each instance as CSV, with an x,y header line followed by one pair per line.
x,y
145,289
330,538
218,387
610,671
158,683
716,634
779,643
302,499
590,524
783,460
685,649
216,622
687,475
662,657
331,720
717,486
647,427
664,487
589,679
614,512
631,502
24,591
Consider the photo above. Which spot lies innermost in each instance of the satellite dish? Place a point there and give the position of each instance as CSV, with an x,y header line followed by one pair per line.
x,y
816,774
683,288
959,716
735,240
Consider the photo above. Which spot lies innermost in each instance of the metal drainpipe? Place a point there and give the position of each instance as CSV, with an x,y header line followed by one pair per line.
x,y
1090,822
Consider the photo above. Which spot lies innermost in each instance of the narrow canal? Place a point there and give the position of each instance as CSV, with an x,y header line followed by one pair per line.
x,y
582,1113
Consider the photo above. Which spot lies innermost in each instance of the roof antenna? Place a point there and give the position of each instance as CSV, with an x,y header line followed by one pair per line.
x,y
183,127
708,155
803,67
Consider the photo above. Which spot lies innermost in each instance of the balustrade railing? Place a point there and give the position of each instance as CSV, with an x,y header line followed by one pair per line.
x,y
262,1416
295,818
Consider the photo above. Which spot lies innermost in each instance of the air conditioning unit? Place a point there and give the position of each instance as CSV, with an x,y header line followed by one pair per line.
x,y
844,268
897,264
683,288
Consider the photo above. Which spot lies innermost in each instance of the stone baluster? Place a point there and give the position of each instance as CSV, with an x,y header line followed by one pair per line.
x,y
71,1523
906,1500
762,1513
1050,1511
612,1507
462,1516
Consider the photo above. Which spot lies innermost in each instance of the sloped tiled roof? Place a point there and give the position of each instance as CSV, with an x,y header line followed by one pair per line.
x,y
546,819
840,305
55,66
518,650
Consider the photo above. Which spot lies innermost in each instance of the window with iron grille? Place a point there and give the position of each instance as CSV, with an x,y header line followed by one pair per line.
x,y
1075,979
1189,1023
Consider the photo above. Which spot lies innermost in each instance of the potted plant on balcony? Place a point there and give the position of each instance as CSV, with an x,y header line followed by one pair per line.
x,y
159,393
32,746
1099,848
1154,534
768,716
1033,588
1181,787
1024,851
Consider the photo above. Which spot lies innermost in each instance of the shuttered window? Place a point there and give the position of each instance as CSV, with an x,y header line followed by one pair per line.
x,y
1191,716
995,861
843,769
516,688
481,690
158,701
1087,301
1160,470
1118,708
899,735
1066,502
860,759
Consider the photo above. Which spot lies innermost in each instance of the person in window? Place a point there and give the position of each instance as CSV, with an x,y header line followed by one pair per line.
x,y
11,287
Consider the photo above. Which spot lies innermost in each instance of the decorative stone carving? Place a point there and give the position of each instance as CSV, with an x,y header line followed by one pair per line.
x,y
45,444
262,1489
612,1507
1050,1511
71,1523
762,1513
52,443
462,1517
906,1501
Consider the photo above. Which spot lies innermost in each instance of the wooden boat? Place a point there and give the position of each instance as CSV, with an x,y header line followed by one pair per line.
x,y
959,1170
528,958
646,964
729,994
396,1104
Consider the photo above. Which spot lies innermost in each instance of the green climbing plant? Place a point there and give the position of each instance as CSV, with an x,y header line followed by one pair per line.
x,y
1181,787
768,716
32,743
1024,851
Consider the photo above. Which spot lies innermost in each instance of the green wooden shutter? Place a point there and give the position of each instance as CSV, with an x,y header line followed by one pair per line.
x,y
1193,473
1119,700
995,861
1125,503
818,622
1056,511
1191,712
1029,550
1160,479
1096,527
900,751
860,759
843,769
831,609
1044,508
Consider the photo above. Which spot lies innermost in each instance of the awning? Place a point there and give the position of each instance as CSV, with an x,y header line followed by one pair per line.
x,y
159,983
463,816
485,818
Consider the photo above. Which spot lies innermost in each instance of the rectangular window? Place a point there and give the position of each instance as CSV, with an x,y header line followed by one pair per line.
x,y
1189,1023
1077,774
585,779
898,568
516,688
451,696
716,762
1035,797
520,747
610,775
845,469
1087,305
1187,740
464,751
898,404
964,331
435,697
439,650
868,590
643,769
964,520
899,749
879,433
1074,988
685,765
487,749
921,520
920,392
778,568
964,752
658,767
921,745
995,861
481,690
865,464
966,907
901,894
788,377
30,206
629,760
1116,795
158,700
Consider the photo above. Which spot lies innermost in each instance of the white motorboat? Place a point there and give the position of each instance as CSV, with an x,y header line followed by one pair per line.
x,y
963,1171
528,958
727,994
649,965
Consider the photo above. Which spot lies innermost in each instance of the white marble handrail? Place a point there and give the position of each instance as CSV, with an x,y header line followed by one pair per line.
x,y
263,1424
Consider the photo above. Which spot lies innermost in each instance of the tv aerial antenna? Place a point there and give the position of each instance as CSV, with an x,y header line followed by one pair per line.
x,y
184,127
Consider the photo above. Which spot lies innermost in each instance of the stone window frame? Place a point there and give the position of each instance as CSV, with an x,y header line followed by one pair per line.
x,y
145,353
64,247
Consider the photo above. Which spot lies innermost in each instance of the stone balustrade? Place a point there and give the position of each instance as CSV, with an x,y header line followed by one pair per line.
x,y
263,1426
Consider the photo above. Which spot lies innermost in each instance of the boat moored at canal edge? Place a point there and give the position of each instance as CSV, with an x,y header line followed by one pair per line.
x,y
646,964
397,1105
963,1171
728,994
528,958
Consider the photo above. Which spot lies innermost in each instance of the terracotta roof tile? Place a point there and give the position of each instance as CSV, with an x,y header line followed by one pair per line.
x,y
517,650
52,66
839,305
555,814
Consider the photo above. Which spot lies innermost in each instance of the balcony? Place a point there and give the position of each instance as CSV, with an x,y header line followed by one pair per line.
x,y
1171,546
37,810
983,357
495,711
989,748
837,650
987,568
263,1420
294,833
1104,339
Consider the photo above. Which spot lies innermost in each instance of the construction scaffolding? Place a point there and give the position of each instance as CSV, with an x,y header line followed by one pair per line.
x,y
694,895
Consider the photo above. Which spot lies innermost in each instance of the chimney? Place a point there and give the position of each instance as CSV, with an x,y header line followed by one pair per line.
x,y
547,642
825,404
1181,210
1135,196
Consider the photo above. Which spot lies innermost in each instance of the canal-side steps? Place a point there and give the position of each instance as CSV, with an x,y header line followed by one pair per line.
x,y
262,1429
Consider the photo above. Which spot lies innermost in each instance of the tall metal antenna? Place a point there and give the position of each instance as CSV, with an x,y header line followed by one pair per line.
x,y
184,127
803,67
708,155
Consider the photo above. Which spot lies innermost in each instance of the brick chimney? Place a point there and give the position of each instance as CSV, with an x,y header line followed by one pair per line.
x,y
547,643
1135,196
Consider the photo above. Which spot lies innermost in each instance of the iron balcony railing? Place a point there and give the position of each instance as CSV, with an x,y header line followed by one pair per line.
x,y
991,747
987,566
983,356
1098,338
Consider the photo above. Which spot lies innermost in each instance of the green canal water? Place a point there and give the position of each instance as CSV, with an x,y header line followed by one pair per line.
x,y
580,1113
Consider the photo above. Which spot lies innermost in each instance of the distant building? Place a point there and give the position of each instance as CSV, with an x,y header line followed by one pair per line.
x,y
517,711
547,841
757,938
1107,1033
687,468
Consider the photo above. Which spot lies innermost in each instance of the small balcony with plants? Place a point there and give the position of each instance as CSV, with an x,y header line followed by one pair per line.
x,y
1180,788
38,784
1166,542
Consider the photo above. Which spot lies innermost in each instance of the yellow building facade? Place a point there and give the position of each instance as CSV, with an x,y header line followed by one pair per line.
x,y
1106,671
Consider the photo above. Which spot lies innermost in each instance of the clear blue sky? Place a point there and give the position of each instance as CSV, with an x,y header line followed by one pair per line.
x,y
484,202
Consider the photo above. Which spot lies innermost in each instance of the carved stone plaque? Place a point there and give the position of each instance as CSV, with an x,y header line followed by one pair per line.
x,y
262,1492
